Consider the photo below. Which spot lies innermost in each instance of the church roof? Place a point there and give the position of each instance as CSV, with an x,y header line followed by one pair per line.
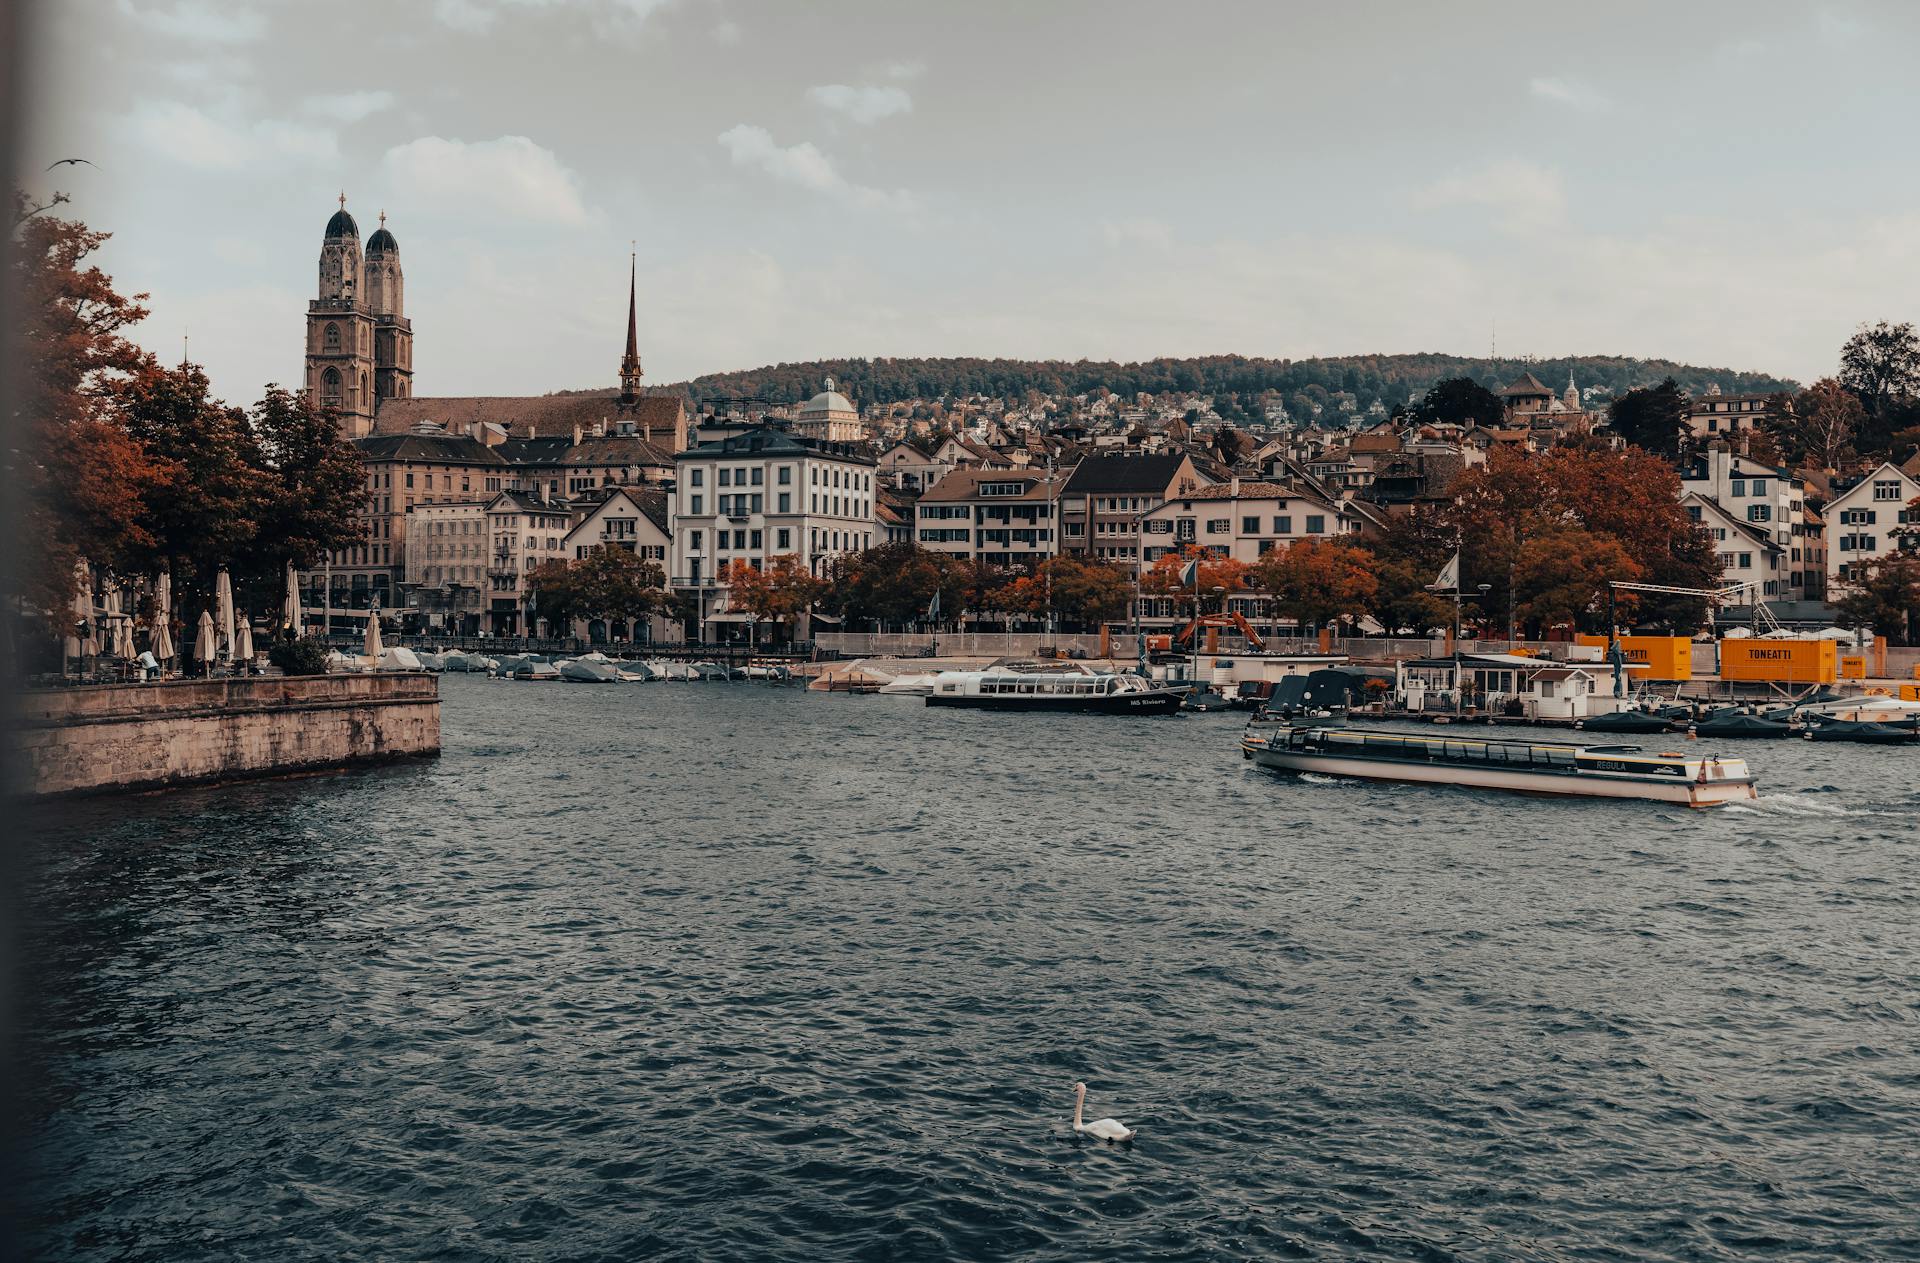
x,y
446,449
1526,384
529,416
342,225
381,241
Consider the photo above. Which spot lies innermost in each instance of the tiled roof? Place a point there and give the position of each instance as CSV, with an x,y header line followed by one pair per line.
x,y
964,484
442,448
1149,474
542,414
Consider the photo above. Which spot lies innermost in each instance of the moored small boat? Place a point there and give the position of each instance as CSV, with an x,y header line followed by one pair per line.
x,y
1638,721
1535,767
1865,732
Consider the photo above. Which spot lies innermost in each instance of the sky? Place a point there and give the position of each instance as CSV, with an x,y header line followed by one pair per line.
x,y
1725,184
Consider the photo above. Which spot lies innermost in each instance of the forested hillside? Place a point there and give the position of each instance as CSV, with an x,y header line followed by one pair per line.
x,y
1388,379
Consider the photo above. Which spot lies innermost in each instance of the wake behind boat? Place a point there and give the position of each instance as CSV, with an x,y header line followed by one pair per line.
x,y
1535,767
1069,688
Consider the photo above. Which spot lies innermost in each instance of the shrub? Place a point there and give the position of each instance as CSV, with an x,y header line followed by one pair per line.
x,y
306,656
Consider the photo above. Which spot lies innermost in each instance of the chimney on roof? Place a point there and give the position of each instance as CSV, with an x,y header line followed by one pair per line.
x,y
1233,488
576,434
533,431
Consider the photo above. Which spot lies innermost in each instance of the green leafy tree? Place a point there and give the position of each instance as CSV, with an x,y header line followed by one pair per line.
x,y
1652,417
1880,364
1460,401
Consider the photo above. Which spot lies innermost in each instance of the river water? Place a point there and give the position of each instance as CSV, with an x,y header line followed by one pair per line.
x,y
727,971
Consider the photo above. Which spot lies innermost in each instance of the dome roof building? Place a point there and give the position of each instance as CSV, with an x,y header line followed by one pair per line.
x,y
831,416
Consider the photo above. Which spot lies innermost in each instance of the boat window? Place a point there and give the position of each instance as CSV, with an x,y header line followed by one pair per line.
x,y
1026,686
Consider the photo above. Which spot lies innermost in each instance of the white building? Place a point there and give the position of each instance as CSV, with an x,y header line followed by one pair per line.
x,y
1240,519
762,494
1862,519
446,566
636,519
1768,503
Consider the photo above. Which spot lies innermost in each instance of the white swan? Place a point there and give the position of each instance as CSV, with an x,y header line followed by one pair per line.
x,y
1105,1128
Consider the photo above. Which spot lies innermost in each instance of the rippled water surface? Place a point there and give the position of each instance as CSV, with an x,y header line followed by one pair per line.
x,y
709,972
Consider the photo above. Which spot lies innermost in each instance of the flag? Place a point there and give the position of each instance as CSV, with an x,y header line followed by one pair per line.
x,y
1449,580
933,606
1190,573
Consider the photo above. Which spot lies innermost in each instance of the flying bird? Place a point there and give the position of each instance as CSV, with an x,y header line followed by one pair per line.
x,y
1105,1128
64,161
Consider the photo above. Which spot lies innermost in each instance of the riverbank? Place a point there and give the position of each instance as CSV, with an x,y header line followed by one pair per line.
x,y
117,737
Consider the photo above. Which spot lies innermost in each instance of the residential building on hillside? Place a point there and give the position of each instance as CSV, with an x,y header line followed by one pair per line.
x,y
1862,519
1767,504
762,494
636,519
1100,506
999,517
1714,415
1241,519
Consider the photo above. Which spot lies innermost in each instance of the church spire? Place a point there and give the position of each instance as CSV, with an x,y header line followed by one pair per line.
x,y
630,362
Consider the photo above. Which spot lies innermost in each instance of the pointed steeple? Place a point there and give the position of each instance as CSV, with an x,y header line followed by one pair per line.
x,y
630,362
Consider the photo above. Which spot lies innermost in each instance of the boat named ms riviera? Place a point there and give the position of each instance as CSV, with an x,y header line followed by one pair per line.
x,y
1069,688
1533,767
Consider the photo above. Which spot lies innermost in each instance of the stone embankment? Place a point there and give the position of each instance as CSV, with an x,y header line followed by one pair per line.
x,y
106,738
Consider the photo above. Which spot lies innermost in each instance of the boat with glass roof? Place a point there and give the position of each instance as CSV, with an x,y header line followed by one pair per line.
x,y
1522,766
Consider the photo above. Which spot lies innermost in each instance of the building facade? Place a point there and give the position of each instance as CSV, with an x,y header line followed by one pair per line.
x,y
523,531
1767,504
1865,523
1241,520
446,565
996,517
1102,502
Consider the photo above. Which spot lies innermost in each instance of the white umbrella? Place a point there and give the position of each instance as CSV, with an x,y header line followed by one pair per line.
x,y
160,638
373,634
203,644
292,611
223,610
243,652
83,611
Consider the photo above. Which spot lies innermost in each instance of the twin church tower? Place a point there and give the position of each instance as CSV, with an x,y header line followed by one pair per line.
x,y
359,341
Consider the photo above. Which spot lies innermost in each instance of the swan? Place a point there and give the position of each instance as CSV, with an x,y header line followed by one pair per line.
x,y
1105,1128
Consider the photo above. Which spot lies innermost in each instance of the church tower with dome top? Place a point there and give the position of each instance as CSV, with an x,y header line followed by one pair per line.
x,y
359,344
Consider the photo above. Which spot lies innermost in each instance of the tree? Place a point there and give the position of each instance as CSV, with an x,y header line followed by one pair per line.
x,y
891,583
1886,598
1821,427
313,489
1560,578
1163,578
1400,600
609,582
778,593
1315,582
1880,364
80,476
1460,401
1652,417
1086,590
208,514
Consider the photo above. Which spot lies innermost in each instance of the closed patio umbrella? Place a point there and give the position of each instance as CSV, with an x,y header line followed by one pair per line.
x,y
83,611
160,634
292,611
373,634
223,610
204,643
243,648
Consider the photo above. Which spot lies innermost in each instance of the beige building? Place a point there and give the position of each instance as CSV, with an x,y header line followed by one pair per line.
x,y
830,417
446,565
1103,500
998,517
522,532
1242,520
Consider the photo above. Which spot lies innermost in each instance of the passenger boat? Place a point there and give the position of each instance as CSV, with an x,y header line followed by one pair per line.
x,y
1534,767
1072,689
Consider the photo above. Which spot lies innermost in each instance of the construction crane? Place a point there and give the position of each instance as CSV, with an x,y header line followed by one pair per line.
x,y
1714,596
1231,620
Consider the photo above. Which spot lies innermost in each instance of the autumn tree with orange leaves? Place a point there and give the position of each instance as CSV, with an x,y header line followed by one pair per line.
x,y
1316,582
1163,578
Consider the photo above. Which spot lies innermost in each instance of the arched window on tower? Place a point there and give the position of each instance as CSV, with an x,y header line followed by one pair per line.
x,y
330,387
331,339
366,394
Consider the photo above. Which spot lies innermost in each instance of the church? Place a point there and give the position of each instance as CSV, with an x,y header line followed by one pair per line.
x,y
359,361
438,452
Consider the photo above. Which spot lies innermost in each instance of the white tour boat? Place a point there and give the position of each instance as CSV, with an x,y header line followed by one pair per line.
x,y
1532,767
1066,687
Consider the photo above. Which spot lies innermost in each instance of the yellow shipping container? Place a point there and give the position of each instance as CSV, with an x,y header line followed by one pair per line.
x,y
1853,666
1910,692
1666,657
1780,661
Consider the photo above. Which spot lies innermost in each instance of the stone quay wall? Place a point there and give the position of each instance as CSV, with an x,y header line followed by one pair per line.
x,y
107,738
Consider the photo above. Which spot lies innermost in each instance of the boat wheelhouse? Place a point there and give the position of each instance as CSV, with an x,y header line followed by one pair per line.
x,y
1534,767
1071,688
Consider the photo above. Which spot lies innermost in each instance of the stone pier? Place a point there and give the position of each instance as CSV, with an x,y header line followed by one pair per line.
x,y
106,738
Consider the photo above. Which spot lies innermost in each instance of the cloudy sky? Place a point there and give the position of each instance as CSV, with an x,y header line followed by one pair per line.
x,y
1723,183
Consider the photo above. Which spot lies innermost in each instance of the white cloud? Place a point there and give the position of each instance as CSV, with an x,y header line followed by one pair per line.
x,y
478,16
1524,197
511,174
211,142
905,69
865,104
199,21
726,32
349,107
1151,233
1572,93
804,165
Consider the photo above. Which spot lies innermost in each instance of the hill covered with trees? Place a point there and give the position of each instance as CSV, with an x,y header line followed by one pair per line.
x,y
1235,381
